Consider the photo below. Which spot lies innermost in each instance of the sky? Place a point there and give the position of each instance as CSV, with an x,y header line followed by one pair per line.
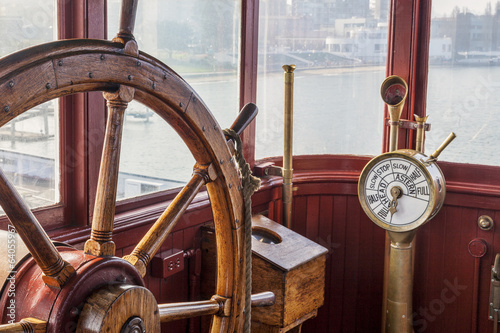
x,y
441,7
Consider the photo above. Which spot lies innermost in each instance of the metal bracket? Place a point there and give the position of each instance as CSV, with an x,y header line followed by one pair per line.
x,y
410,124
268,169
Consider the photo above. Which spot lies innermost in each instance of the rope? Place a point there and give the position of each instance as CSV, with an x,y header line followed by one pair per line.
x,y
250,185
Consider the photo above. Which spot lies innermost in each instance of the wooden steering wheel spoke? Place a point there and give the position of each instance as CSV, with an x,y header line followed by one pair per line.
x,y
217,305
127,20
55,270
101,237
151,242
27,325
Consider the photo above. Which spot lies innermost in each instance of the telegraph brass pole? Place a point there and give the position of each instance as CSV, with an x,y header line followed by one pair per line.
x,y
398,270
394,90
419,143
288,147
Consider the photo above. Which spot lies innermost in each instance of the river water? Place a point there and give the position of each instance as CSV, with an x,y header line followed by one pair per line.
x,y
336,111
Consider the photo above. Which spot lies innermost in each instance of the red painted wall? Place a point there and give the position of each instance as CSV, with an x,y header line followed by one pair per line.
x,y
451,289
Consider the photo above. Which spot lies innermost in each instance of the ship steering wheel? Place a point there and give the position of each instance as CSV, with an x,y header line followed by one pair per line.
x,y
61,289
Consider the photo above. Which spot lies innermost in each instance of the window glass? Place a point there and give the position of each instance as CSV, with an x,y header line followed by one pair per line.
x,y
464,80
339,49
29,143
199,39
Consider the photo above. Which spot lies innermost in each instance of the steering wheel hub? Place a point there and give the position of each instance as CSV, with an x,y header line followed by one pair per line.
x,y
120,308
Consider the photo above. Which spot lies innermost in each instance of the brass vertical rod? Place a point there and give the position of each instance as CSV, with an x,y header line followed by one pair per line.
x,y
288,147
399,299
393,137
419,142
398,276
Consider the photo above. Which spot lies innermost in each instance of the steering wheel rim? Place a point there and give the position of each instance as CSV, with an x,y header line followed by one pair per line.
x,y
33,76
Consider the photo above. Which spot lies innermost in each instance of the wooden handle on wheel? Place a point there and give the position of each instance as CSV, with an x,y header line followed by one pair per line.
x,y
245,117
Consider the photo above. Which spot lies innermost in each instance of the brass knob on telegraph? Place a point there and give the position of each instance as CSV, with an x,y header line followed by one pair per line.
x,y
485,222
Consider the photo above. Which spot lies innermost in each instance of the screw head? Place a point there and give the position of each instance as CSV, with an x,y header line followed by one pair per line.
x,y
74,312
48,86
485,222
6,108
11,84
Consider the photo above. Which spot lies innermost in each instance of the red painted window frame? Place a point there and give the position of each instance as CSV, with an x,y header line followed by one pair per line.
x,y
86,113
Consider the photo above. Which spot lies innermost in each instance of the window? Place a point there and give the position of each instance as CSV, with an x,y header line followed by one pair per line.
x,y
464,79
29,143
337,48
200,40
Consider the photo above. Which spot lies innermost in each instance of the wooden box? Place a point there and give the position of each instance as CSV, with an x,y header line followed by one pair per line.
x,y
291,266
294,270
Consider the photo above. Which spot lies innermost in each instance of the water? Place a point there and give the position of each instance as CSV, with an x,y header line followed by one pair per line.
x,y
465,100
339,112
336,111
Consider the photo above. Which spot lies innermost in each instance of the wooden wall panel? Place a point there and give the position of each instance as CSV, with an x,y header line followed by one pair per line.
x,y
448,279
449,294
353,268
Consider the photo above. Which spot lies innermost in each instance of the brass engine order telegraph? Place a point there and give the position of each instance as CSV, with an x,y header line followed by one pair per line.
x,y
400,191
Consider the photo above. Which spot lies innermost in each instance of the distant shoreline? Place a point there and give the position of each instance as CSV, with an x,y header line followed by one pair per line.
x,y
210,76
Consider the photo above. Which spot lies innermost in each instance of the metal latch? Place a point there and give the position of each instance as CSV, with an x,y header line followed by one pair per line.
x,y
495,293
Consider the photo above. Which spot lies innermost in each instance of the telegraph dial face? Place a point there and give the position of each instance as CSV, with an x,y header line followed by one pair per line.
x,y
399,191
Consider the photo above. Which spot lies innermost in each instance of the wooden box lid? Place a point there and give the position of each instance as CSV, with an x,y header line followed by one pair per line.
x,y
292,251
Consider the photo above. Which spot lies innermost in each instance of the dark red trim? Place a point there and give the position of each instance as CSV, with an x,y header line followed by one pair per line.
x,y
420,63
248,69
72,120
408,48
